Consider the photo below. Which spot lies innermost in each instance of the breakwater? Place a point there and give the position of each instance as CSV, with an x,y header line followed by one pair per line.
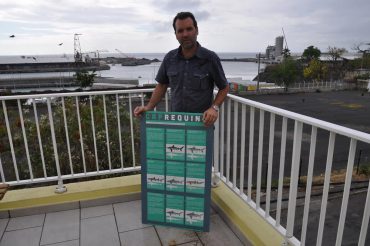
x,y
128,61
36,82
50,67
239,59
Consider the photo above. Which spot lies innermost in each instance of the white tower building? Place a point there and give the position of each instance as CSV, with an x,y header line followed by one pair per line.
x,y
279,43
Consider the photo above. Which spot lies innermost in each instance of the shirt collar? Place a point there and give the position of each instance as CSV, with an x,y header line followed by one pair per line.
x,y
199,53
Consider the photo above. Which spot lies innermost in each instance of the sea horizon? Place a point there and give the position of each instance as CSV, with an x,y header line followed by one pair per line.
x,y
35,58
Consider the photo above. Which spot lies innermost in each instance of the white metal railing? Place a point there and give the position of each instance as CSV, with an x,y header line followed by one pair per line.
x,y
68,135
239,163
240,150
329,85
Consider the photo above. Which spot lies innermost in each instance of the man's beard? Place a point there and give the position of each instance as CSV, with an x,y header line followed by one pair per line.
x,y
188,44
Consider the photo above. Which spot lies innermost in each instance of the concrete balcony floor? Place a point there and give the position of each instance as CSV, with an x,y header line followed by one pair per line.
x,y
112,224
107,212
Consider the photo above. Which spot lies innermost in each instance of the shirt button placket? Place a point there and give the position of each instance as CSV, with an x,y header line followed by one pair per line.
x,y
184,83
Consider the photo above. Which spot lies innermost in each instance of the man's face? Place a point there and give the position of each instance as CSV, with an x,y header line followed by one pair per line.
x,y
186,33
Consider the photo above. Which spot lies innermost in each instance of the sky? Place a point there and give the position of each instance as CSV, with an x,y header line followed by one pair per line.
x,y
133,26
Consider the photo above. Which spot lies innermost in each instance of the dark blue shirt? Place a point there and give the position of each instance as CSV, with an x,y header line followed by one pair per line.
x,y
191,80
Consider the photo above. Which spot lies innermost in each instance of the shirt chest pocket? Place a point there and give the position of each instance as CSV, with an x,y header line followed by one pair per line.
x,y
173,77
199,81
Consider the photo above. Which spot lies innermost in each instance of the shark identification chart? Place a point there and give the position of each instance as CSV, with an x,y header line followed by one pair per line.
x,y
176,157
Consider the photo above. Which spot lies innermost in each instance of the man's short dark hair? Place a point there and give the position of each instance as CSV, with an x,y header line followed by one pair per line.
x,y
183,16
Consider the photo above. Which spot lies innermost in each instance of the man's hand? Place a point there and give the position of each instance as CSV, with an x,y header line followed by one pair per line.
x,y
209,117
139,110
158,93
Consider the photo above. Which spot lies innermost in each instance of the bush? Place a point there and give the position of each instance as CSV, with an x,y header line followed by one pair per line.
x,y
363,76
287,72
74,137
364,169
85,79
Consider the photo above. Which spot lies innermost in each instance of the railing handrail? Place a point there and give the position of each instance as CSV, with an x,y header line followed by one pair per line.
x,y
80,93
342,130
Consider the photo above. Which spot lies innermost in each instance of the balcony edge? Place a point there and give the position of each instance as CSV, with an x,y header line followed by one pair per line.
x,y
243,219
76,192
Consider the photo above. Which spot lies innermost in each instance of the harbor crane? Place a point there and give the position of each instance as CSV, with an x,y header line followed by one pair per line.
x,y
123,54
286,50
286,42
96,53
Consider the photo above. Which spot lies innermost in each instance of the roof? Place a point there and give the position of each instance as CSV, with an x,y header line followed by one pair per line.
x,y
241,81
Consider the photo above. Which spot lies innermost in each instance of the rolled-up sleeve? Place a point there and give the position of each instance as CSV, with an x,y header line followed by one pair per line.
x,y
218,73
162,77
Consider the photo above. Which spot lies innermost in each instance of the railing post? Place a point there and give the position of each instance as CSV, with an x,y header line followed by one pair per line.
x,y
250,155
311,160
242,152
365,219
222,140
346,191
281,169
228,148
259,161
132,131
269,165
25,139
60,188
216,150
325,191
297,143
235,144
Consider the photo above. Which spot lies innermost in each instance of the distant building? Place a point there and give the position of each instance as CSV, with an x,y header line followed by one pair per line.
x,y
279,43
275,52
270,52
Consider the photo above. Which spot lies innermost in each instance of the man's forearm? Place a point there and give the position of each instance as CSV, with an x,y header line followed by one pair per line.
x,y
221,95
157,95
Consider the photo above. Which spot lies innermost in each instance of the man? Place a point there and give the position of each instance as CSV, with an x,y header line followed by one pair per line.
x,y
191,72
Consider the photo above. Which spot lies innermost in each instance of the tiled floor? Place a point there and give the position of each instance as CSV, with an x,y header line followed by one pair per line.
x,y
108,225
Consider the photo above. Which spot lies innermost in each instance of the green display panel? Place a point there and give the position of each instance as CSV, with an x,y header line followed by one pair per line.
x,y
176,154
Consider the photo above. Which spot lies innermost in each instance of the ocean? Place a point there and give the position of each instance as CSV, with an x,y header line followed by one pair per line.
x,y
145,73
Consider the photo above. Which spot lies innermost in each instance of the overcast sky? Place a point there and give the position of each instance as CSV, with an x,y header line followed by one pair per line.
x,y
146,25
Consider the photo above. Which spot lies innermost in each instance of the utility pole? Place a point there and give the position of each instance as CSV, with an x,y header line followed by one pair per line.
x,y
258,75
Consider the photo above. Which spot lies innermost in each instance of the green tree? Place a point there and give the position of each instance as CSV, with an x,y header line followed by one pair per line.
x,y
286,72
286,53
316,70
359,63
364,61
336,70
335,53
84,78
311,53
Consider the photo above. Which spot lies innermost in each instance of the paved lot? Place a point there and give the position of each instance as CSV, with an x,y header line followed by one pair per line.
x,y
346,108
